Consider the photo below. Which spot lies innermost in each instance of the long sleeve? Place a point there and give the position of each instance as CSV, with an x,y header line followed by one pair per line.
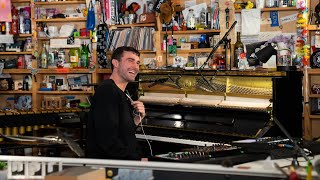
x,y
108,127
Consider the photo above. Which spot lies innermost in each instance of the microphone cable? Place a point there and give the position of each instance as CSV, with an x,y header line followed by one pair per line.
x,y
140,120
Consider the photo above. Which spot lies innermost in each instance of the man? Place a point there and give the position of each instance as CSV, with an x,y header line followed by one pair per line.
x,y
114,116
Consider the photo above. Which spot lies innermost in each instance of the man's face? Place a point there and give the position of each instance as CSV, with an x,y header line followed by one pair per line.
x,y
129,66
150,5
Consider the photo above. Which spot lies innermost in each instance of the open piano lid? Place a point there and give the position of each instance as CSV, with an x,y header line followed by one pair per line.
x,y
203,114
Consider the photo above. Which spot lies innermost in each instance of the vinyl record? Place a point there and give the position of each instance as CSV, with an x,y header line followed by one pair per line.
x,y
315,59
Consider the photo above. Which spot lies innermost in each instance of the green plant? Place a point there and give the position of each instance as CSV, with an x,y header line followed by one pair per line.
x,y
3,165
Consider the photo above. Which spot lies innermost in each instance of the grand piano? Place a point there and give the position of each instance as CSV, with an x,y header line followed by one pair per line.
x,y
200,117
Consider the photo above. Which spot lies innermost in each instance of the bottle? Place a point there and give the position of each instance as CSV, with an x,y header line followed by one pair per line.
x,y
191,20
14,30
51,63
84,59
20,62
203,19
21,24
3,28
238,49
44,57
74,57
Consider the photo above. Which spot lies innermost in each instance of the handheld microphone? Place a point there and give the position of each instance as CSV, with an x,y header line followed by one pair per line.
x,y
134,111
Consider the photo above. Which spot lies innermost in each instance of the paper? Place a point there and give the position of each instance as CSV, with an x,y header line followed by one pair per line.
x,y
188,4
6,39
62,43
250,21
196,10
238,25
289,18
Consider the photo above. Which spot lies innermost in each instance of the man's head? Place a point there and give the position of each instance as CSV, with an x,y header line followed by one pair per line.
x,y
125,63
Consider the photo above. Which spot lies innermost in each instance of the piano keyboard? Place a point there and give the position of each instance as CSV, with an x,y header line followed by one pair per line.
x,y
176,140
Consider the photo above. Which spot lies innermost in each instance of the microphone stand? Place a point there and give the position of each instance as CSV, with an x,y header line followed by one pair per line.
x,y
223,40
296,147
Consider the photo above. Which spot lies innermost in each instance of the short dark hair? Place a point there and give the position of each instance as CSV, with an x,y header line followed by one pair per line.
x,y
118,53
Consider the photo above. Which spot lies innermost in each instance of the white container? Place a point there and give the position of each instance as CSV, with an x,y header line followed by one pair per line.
x,y
260,4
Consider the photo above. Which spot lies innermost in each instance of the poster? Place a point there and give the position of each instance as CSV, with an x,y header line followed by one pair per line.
x,y
5,11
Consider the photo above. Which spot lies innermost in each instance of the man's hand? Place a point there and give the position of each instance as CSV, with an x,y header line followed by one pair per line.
x,y
139,109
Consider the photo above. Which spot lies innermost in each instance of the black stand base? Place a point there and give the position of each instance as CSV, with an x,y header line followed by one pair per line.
x,y
286,68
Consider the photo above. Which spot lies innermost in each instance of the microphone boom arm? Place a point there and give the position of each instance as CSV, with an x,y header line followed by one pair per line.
x,y
221,41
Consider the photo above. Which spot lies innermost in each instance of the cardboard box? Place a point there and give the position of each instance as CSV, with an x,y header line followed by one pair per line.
x,y
78,173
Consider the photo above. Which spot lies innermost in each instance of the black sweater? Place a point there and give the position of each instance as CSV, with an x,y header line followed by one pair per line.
x,y
111,128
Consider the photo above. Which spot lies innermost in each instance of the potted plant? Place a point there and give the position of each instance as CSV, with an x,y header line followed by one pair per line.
x,y
3,170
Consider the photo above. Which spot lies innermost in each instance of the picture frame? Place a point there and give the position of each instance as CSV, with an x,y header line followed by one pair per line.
x,y
59,81
51,79
18,85
23,102
75,83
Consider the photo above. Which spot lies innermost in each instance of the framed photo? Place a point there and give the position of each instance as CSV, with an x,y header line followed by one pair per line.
x,y
75,83
59,81
18,85
22,102
200,61
150,4
191,61
52,79
179,61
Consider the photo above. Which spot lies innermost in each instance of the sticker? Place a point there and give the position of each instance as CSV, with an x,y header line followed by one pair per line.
x,y
289,18
274,18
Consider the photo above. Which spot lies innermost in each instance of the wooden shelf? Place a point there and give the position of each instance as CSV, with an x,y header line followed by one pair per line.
x,y
25,35
314,116
62,20
146,51
15,92
135,25
314,95
64,71
15,53
249,73
60,110
59,2
141,52
192,32
20,1
273,9
104,71
46,38
17,71
38,111
313,27
314,71
200,50
64,92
